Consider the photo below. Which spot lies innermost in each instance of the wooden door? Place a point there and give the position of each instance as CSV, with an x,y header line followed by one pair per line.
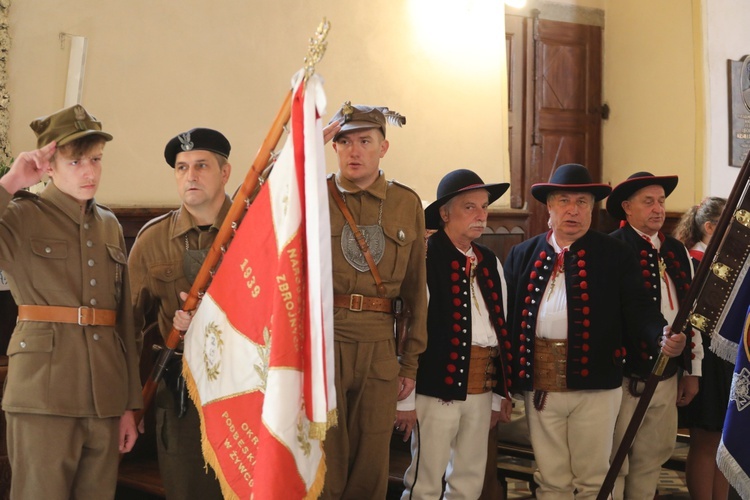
x,y
567,105
518,46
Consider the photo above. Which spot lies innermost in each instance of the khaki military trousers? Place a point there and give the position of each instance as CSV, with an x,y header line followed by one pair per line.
x,y
357,450
653,444
178,442
61,458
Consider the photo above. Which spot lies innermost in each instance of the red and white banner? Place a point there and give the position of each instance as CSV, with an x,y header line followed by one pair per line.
x,y
259,352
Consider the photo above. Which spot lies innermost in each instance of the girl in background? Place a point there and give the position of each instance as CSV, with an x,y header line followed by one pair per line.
x,y
704,416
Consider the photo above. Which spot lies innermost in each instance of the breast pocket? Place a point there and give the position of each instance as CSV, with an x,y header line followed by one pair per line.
x,y
165,277
49,264
29,361
399,241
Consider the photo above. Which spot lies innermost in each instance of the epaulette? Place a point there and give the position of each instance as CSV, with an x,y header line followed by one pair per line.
x,y
104,208
154,221
23,194
394,181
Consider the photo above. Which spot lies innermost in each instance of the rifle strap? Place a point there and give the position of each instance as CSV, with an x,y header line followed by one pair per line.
x,y
357,235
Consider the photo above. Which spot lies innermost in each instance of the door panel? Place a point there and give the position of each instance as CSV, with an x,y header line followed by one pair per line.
x,y
567,120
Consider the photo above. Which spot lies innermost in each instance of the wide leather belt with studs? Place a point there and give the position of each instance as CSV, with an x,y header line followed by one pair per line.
x,y
482,369
357,302
84,316
550,365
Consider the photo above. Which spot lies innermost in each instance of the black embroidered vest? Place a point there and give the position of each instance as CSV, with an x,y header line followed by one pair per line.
x,y
444,366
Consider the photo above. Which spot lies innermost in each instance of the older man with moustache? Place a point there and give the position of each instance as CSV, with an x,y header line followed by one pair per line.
x,y
461,389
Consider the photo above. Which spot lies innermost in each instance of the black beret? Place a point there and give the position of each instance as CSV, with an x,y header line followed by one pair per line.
x,y
197,139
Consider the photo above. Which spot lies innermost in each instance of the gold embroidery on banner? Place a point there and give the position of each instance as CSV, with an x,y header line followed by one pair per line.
x,y
264,353
303,427
213,347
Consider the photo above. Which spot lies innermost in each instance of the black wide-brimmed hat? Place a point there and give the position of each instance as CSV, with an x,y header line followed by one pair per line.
x,y
455,183
629,186
570,177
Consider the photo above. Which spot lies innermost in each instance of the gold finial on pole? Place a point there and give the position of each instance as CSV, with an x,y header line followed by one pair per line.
x,y
317,48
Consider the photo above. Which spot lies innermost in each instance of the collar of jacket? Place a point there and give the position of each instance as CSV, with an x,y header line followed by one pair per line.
x,y
67,204
376,189
184,221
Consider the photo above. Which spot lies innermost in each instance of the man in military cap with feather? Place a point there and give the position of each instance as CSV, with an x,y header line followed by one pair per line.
x,y
371,282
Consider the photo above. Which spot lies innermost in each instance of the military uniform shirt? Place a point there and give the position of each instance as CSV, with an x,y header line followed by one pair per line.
x,y
55,253
156,264
402,267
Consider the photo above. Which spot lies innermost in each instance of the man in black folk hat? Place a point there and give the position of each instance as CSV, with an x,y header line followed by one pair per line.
x,y
369,376
461,388
73,372
665,272
164,262
574,297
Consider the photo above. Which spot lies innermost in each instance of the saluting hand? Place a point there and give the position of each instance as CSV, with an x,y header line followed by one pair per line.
x,y
29,168
330,131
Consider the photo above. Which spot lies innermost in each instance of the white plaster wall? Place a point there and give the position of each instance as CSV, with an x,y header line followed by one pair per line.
x,y
159,67
649,84
727,33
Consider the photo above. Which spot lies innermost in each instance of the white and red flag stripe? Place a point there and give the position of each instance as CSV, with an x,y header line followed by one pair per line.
x,y
258,354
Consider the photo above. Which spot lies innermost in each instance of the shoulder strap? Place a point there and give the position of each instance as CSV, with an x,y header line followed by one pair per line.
x,y
357,235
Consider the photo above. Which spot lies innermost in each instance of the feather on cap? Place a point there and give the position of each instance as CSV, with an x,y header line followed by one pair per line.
x,y
358,117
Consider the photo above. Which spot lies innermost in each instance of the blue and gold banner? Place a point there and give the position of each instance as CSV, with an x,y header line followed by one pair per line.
x,y
733,456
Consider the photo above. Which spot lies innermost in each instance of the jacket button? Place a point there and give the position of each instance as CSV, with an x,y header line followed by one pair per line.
x,y
22,344
92,282
89,243
91,262
86,225
96,336
92,302
47,250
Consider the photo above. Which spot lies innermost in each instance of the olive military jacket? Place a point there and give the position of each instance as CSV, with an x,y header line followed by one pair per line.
x,y
54,253
157,275
398,210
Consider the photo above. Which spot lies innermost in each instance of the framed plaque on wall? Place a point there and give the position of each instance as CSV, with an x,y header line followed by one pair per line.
x,y
739,110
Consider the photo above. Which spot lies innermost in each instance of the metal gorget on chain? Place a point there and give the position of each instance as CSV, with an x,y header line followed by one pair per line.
x,y
192,261
375,239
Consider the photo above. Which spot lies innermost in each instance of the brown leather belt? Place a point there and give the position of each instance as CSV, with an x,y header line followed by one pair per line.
x,y
481,369
84,316
550,363
357,302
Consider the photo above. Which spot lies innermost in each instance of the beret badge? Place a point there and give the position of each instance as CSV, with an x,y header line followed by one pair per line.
x,y
185,143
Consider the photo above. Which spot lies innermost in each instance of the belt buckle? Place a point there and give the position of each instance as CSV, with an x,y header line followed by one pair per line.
x,y
356,301
81,318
